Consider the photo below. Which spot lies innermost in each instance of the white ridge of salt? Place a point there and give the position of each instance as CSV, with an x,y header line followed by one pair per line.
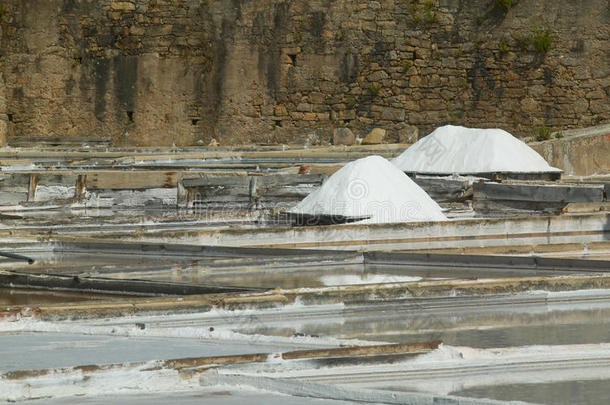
x,y
371,188
455,149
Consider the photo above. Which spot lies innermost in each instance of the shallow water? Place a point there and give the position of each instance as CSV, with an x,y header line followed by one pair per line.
x,y
559,393
498,326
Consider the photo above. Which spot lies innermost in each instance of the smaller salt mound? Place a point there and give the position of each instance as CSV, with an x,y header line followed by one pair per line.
x,y
371,187
454,149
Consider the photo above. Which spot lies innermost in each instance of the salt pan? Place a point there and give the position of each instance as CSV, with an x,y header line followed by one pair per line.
x,y
454,149
373,188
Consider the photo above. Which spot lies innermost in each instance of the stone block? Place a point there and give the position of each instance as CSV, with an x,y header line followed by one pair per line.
x,y
378,75
375,137
596,94
316,98
267,110
343,136
304,107
408,134
393,114
347,114
280,110
122,6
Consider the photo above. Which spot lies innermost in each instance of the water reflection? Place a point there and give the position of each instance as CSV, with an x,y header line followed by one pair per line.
x,y
536,324
560,393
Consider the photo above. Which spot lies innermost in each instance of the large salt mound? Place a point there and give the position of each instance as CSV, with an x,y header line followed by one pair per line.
x,y
454,149
371,187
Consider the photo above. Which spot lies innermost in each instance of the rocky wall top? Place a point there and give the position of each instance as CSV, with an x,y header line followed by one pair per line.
x,y
163,72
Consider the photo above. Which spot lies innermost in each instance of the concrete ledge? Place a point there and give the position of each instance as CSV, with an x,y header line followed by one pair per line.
x,y
488,232
581,152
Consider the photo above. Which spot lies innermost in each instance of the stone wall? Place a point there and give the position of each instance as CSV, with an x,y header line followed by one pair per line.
x,y
163,72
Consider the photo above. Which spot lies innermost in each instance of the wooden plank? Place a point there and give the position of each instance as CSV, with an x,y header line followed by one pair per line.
x,y
585,207
268,181
501,176
287,193
33,182
81,187
315,220
80,245
56,179
249,190
199,198
471,261
286,187
110,286
537,193
38,141
284,180
209,181
443,189
508,207
203,363
361,351
132,180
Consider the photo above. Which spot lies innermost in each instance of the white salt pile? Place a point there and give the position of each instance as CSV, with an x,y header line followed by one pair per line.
x,y
454,149
373,188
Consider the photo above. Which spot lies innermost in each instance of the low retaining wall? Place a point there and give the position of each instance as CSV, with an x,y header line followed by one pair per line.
x,y
581,152
529,230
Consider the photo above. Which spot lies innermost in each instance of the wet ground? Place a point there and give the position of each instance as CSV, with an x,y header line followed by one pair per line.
x,y
577,392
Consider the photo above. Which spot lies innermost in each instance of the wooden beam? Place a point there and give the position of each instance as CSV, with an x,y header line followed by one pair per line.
x,y
538,193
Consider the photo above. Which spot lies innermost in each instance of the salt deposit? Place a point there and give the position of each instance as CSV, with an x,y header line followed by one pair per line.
x,y
454,149
373,188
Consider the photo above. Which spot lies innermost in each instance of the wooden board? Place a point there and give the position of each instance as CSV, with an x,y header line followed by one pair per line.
x,y
132,180
443,189
110,286
251,191
538,193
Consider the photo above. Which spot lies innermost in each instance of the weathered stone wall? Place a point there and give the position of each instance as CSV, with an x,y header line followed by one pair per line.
x,y
158,72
